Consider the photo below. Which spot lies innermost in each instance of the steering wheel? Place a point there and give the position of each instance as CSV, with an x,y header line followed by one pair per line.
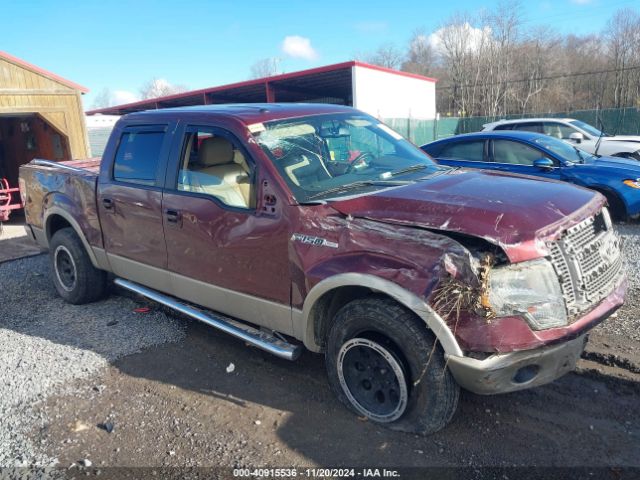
x,y
361,161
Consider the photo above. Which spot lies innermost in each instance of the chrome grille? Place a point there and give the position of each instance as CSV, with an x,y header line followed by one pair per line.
x,y
588,262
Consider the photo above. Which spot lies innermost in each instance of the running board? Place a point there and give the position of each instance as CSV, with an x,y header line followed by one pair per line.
x,y
263,340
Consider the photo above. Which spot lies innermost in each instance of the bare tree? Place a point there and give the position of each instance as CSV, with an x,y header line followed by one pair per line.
x,y
266,67
622,37
460,46
103,99
159,87
421,57
533,60
387,55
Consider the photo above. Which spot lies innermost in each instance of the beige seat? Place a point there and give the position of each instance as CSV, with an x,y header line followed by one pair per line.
x,y
219,175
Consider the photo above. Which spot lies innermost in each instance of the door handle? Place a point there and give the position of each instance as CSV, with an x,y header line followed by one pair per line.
x,y
108,203
173,216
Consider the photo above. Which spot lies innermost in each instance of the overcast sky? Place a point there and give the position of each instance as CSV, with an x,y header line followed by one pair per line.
x,y
197,43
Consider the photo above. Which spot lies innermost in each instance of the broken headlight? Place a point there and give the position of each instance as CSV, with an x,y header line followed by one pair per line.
x,y
528,289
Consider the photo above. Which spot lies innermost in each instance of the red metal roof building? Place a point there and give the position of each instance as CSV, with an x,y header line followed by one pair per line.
x,y
379,91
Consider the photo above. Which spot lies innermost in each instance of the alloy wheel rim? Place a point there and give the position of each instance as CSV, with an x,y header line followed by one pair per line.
x,y
65,268
373,379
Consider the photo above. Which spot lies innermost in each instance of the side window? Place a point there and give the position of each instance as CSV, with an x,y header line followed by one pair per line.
x,y
557,130
515,153
472,151
504,126
212,164
529,127
138,156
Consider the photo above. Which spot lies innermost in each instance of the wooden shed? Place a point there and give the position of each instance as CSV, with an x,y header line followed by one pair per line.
x,y
41,115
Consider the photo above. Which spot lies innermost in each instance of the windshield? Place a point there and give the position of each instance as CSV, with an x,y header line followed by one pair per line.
x,y
324,156
591,130
562,149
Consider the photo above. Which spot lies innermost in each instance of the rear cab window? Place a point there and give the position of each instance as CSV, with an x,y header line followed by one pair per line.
x,y
138,155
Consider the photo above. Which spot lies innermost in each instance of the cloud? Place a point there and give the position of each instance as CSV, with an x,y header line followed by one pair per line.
x,y
465,36
299,47
371,27
123,96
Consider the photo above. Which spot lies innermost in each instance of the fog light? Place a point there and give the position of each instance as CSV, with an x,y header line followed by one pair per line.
x,y
526,374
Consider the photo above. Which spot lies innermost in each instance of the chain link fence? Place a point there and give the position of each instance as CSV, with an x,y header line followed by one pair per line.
x,y
618,121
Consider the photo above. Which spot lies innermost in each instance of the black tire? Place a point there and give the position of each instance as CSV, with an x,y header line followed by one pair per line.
x,y
74,276
616,206
363,327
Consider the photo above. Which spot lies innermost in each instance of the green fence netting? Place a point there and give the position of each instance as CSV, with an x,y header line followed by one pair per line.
x,y
620,121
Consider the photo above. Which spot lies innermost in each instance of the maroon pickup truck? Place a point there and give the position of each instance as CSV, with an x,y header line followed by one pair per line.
x,y
318,225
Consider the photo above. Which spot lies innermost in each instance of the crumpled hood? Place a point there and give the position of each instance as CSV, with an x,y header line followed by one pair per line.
x,y
515,212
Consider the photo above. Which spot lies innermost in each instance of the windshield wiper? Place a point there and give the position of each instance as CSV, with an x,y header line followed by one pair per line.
x,y
579,152
361,183
412,168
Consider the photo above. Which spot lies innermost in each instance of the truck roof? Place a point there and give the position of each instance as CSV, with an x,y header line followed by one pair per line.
x,y
248,113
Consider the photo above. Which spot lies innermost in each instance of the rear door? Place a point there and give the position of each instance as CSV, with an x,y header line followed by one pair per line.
x,y
130,204
464,153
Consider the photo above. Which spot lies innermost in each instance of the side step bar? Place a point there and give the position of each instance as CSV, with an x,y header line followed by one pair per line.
x,y
265,341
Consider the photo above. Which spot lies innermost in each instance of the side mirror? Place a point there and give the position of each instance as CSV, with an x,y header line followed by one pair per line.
x,y
544,163
576,137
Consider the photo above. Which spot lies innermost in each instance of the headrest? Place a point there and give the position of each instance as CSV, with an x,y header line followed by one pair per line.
x,y
215,151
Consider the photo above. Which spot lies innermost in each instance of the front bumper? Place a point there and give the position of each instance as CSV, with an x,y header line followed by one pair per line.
x,y
508,372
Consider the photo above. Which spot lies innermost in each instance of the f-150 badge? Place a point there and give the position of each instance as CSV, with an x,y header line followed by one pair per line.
x,y
316,241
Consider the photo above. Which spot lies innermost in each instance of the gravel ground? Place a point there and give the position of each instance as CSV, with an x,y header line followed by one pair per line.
x,y
46,344
626,322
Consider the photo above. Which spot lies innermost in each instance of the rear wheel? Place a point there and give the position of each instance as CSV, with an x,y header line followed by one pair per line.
x,y
383,363
74,276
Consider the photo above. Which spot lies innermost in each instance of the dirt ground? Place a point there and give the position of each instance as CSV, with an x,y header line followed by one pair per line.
x,y
176,405
14,242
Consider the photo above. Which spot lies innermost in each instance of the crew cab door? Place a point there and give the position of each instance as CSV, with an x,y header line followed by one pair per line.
x,y
223,253
129,200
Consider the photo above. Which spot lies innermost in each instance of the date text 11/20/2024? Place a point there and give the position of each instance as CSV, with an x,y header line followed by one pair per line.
x,y
315,472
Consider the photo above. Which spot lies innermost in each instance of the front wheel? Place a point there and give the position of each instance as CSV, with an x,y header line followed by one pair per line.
x,y
383,363
74,276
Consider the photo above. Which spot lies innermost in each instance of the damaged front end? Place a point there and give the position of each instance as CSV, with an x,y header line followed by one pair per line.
x,y
517,311
524,324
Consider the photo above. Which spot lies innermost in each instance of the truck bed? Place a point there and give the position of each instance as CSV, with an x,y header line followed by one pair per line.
x,y
67,187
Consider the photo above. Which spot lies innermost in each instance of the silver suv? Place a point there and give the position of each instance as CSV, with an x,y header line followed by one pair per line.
x,y
576,132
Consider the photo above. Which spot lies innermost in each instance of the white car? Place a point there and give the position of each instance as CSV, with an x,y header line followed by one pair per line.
x,y
576,132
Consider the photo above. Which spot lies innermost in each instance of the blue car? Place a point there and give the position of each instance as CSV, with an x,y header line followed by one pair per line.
x,y
543,156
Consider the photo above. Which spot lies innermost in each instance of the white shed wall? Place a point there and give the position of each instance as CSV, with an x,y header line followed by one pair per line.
x,y
386,95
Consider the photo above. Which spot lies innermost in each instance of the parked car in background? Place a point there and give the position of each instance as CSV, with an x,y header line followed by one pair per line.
x,y
317,225
539,155
584,136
